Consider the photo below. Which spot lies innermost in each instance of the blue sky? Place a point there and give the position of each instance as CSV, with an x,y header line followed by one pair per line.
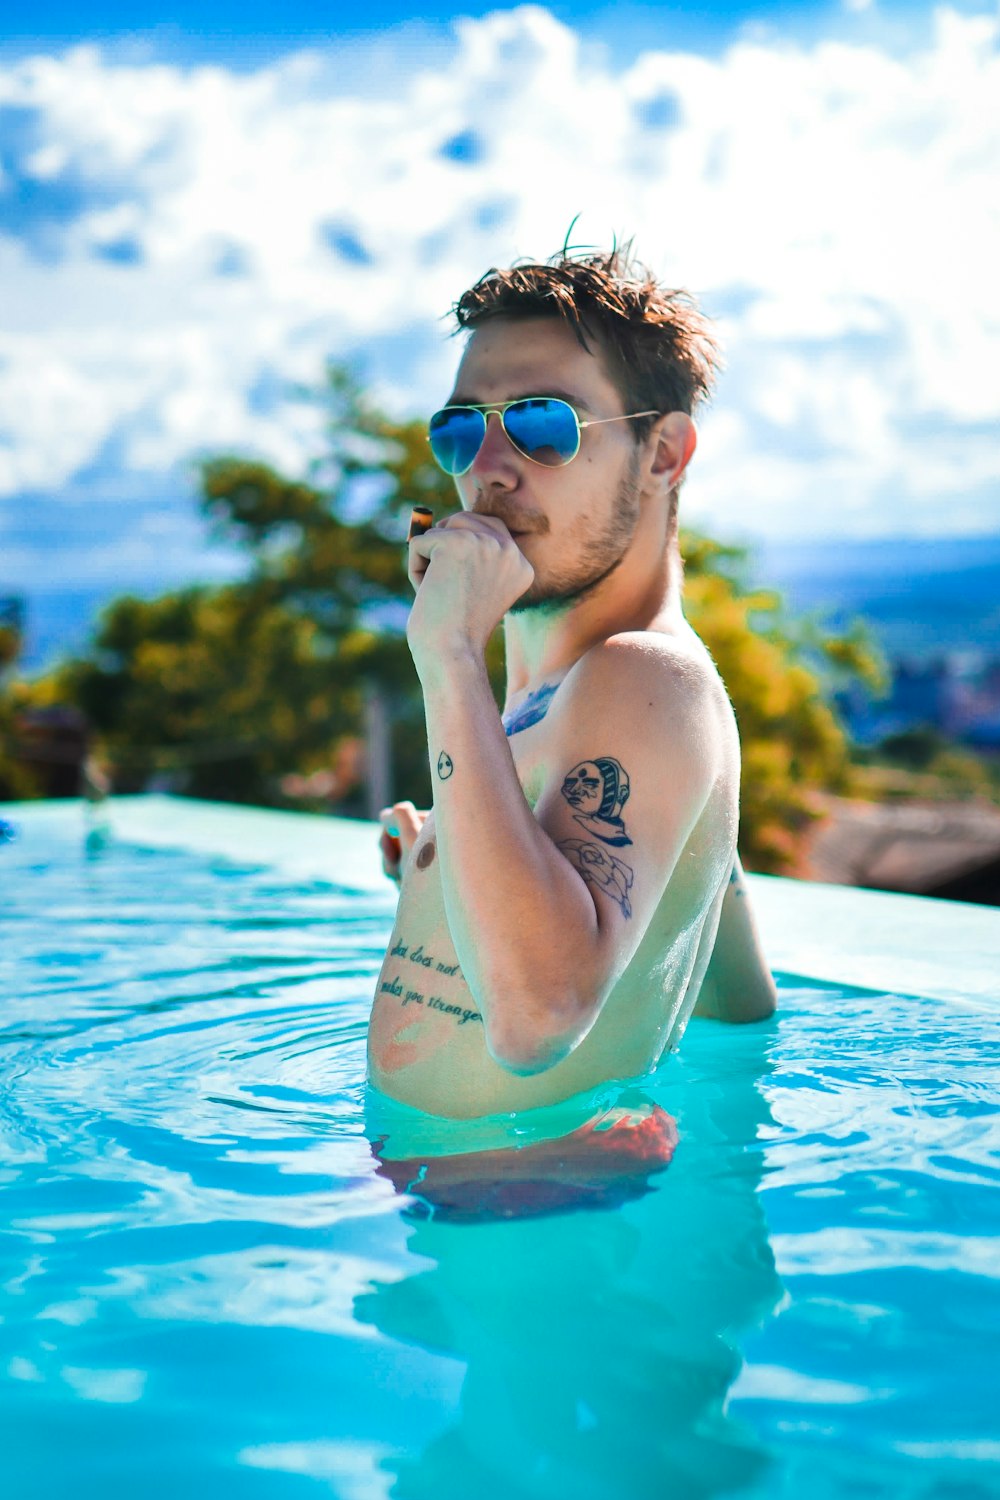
x,y
196,213
229,30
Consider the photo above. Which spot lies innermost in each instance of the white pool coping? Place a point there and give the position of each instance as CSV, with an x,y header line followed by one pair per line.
x,y
913,945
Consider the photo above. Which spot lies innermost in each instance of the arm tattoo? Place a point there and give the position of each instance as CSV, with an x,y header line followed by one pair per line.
x,y
445,765
597,790
600,869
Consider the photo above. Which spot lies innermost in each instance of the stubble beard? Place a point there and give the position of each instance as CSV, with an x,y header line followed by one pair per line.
x,y
601,556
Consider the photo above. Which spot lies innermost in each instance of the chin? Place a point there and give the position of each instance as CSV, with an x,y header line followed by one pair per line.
x,y
538,597
557,596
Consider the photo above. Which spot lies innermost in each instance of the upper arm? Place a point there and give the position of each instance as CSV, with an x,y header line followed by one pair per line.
x,y
633,753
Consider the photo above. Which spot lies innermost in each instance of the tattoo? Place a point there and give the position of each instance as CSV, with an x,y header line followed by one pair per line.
x,y
601,869
445,765
531,711
425,960
432,1002
426,855
734,880
396,986
599,789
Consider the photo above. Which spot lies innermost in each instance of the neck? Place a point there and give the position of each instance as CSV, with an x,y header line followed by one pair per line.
x,y
643,593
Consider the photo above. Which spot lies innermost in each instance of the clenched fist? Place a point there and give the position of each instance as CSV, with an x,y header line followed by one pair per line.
x,y
467,572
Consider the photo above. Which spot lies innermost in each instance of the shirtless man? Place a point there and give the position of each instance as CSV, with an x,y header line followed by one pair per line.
x,y
575,895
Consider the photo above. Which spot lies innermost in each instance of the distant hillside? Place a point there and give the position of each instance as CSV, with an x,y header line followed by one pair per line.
x,y
919,597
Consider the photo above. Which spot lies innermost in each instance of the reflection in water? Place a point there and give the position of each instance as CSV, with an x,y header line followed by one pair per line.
x,y
600,1345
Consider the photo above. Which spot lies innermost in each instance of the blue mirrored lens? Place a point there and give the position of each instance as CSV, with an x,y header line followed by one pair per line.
x,y
544,428
456,436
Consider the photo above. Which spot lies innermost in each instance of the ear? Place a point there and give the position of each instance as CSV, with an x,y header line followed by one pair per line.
x,y
675,438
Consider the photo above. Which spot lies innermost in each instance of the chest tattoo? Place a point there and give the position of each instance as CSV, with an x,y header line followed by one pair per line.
x,y
531,711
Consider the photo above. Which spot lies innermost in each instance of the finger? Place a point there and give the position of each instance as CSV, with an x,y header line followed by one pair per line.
x,y
417,560
452,538
387,817
471,520
445,532
466,521
402,821
404,810
392,856
408,822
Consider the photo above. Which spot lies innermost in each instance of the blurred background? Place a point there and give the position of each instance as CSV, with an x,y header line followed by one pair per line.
x,y
229,241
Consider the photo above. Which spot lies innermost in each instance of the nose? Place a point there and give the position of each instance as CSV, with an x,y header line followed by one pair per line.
x,y
494,459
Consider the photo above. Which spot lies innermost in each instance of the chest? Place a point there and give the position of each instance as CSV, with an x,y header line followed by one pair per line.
x,y
529,737
532,766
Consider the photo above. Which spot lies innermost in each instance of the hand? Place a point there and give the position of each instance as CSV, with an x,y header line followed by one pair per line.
x,y
395,847
467,572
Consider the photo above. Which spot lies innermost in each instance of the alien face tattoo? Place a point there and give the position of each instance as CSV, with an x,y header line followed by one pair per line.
x,y
597,790
445,765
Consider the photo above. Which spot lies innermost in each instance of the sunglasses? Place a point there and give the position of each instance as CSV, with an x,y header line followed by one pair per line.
x,y
544,429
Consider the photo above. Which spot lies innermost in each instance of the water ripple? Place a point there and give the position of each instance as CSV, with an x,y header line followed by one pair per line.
x,y
196,1231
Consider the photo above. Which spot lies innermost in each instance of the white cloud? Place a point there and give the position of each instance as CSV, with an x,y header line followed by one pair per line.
x,y
193,235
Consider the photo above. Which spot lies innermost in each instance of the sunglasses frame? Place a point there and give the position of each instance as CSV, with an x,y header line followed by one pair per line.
x,y
500,409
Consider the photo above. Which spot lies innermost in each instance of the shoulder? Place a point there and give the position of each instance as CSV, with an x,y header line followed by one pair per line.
x,y
648,674
636,754
658,697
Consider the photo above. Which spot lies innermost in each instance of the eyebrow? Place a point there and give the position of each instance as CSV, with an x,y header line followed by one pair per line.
x,y
574,400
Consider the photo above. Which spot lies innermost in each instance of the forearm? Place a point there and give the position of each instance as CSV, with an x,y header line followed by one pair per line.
x,y
522,920
737,985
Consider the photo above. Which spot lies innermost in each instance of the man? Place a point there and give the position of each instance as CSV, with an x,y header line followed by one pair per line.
x,y
574,896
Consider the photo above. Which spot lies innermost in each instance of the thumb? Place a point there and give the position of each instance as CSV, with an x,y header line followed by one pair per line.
x,y
402,821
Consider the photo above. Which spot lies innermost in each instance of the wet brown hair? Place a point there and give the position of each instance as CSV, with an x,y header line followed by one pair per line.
x,y
657,345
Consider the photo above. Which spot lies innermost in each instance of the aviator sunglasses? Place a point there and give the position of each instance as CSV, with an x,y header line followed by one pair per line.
x,y
544,429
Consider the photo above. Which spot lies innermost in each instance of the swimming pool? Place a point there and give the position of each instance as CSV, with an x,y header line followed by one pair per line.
x,y
209,1287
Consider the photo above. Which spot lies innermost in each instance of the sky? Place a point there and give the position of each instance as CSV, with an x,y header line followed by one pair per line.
x,y
196,214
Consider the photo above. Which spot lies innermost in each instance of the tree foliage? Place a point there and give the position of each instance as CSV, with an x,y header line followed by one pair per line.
x,y
225,690
780,675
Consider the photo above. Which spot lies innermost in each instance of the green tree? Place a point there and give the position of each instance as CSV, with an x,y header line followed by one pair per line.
x,y
16,779
225,690
780,675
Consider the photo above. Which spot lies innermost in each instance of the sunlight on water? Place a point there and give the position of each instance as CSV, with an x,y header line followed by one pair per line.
x,y
210,1281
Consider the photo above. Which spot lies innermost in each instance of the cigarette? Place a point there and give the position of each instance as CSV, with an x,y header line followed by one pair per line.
x,y
421,520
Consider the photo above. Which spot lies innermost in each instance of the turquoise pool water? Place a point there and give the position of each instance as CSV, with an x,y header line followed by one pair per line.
x,y
207,1287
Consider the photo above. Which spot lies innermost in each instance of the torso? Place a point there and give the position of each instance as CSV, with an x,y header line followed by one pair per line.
x,y
436,1059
